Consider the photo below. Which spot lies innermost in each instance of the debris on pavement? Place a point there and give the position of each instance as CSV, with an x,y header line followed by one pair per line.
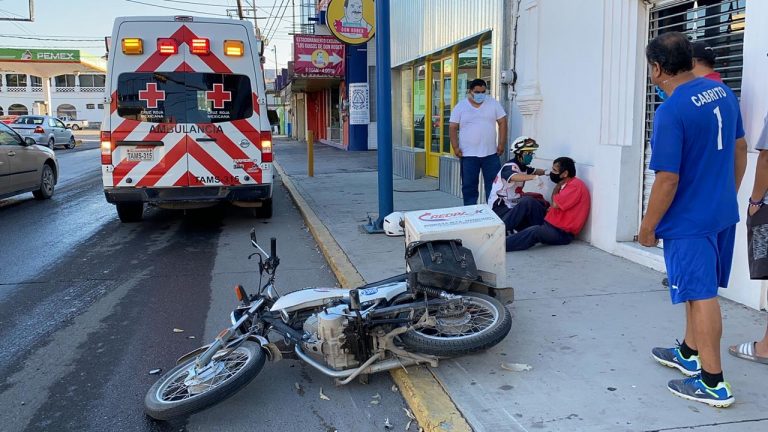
x,y
409,414
374,402
155,371
323,396
387,424
377,396
408,426
178,330
190,337
516,367
394,388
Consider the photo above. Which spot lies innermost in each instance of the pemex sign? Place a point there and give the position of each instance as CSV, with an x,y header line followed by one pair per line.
x,y
39,55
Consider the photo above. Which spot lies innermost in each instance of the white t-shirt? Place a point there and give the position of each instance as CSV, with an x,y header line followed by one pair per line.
x,y
477,126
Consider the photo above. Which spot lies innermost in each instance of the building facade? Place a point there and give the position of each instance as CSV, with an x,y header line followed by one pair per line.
x,y
79,96
581,90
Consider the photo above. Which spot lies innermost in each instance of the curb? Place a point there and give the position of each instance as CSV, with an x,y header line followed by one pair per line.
x,y
433,408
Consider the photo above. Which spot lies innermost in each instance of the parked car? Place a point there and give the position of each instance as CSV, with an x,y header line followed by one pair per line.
x,y
7,119
25,166
45,130
74,124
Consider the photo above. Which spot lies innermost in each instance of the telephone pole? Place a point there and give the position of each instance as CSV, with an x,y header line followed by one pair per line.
x,y
240,9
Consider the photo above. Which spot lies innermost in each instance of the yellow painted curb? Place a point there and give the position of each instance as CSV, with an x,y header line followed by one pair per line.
x,y
433,408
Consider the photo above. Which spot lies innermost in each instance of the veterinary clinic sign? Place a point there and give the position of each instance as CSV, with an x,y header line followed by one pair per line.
x,y
39,55
351,21
318,55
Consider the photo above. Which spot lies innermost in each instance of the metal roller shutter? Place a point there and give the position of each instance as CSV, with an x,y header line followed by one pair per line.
x,y
719,23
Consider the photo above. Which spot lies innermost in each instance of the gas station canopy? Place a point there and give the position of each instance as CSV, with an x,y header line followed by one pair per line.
x,y
47,62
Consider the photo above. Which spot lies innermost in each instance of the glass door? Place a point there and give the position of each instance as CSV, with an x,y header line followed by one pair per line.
x,y
441,92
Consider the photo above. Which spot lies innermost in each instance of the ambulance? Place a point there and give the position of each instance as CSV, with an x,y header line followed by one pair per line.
x,y
186,123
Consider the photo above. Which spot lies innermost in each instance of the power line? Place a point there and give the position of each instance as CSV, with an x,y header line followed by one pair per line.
x,y
274,19
178,9
277,27
51,38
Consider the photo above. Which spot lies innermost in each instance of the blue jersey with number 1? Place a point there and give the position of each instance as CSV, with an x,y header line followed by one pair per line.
x,y
694,136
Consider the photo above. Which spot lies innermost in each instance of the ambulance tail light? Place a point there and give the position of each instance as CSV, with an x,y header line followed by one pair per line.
x,y
200,46
234,48
106,148
133,46
167,46
266,147
39,130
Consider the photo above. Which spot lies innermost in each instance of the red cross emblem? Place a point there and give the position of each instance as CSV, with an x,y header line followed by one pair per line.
x,y
218,96
151,95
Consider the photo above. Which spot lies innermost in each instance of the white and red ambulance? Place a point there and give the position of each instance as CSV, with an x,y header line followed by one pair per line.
x,y
186,125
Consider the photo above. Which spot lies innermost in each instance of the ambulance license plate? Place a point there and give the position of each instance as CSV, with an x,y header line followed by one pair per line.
x,y
139,155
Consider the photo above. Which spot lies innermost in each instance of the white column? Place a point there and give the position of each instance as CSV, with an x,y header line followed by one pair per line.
x,y
529,98
47,95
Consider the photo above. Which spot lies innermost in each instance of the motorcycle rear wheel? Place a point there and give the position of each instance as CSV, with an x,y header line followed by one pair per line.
x,y
174,395
484,323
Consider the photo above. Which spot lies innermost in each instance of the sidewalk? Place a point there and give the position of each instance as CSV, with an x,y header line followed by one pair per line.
x,y
583,319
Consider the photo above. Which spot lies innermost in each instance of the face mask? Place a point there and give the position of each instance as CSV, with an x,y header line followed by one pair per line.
x,y
661,93
555,177
478,97
527,159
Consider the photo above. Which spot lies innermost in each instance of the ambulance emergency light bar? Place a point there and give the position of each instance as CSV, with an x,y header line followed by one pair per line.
x,y
169,46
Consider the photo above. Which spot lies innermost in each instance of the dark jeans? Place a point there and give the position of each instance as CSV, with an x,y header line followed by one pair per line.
x,y
528,212
470,175
544,233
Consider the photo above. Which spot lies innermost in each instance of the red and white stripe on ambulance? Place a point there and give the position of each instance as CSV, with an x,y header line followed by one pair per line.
x,y
219,140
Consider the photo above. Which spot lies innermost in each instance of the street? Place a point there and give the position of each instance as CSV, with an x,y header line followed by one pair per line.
x,y
89,306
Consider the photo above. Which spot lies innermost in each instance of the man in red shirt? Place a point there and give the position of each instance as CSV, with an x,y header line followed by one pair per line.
x,y
567,215
704,61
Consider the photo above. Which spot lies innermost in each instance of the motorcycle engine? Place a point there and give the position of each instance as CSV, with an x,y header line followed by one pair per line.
x,y
327,338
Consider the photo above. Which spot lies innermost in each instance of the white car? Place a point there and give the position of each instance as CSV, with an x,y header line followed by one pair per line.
x,y
74,124
45,130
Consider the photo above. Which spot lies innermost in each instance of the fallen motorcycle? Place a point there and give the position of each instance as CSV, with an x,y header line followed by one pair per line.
x,y
439,309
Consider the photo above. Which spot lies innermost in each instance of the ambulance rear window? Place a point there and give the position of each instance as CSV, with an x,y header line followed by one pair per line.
x,y
184,97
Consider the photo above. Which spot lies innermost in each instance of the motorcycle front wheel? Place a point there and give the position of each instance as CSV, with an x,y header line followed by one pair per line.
x,y
481,323
181,391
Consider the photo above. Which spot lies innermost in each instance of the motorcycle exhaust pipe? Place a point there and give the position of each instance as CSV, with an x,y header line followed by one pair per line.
x,y
345,376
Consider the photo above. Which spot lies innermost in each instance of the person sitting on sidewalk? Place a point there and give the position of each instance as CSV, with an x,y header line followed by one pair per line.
x,y
567,215
517,209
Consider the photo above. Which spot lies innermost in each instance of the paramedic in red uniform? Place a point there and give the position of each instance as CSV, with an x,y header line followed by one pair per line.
x,y
567,215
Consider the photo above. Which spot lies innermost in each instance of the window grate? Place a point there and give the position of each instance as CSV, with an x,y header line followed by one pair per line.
x,y
719,23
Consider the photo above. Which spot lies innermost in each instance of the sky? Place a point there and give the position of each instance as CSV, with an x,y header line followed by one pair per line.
x,y
83,24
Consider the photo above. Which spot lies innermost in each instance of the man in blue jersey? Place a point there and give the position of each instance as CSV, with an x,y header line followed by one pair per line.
x,y
693,208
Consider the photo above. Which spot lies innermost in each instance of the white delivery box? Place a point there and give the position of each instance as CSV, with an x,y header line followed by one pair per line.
x,y
478,228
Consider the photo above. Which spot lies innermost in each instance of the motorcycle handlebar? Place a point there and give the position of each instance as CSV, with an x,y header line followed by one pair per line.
x,y
273,247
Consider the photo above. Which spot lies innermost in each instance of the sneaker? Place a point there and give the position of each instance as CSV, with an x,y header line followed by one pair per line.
x,y
671,357
694,389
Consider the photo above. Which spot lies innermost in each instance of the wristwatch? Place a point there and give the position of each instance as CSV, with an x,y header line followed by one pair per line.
x,y
755,203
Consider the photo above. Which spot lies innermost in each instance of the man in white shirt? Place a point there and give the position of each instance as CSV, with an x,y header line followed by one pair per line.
x,y
474,139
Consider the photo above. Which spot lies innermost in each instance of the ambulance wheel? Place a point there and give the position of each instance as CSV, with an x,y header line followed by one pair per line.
x,y
130,212
265,211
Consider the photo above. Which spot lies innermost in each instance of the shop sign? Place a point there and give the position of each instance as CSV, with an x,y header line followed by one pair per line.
x,y
318,55
359,104
40,55
352,21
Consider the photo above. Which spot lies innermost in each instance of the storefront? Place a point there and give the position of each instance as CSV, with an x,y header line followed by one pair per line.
x,y
436,51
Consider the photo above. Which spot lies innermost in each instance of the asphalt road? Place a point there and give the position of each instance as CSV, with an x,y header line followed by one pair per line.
x,y
88,306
